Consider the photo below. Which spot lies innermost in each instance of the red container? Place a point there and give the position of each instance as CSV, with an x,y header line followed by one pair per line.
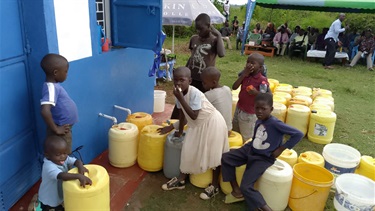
x,y
105,46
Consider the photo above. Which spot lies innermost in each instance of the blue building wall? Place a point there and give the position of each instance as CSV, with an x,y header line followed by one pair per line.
x,y
119,77
96,83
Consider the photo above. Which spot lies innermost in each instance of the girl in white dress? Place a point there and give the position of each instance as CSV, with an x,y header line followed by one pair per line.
x,y
206,137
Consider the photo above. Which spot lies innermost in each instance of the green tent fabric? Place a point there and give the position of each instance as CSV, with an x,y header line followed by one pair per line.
x,y
358,6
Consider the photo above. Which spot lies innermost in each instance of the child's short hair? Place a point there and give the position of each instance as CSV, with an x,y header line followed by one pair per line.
x,y
204,18
259,57
212,72
184,70
51,142
265,97
51,62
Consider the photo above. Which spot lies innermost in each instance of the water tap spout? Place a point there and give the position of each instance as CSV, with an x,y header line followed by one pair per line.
x,y
124,109
109,117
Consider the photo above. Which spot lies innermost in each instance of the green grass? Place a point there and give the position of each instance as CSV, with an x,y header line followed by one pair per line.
x,y
353,90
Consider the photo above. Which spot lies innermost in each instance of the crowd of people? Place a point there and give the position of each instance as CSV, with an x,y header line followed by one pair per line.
x,y
333,39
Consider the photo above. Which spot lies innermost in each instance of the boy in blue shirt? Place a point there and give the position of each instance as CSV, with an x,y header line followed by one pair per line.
x,y
58,110
258,154
56,165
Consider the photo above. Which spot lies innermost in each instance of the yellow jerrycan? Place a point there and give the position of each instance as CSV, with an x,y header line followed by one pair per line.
x,y
298,117
285,95
312,158
279,111
235,139
289,156
94,197
140,119
321,127
151,148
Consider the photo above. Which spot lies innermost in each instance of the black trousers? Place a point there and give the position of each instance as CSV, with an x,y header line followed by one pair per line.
x,y
197,84
330,51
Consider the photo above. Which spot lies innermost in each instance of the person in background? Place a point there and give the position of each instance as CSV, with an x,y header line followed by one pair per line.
x,y
312,35
268,34
205,46
235,25
331,40
250,80
219,96
258,154
365,49
58,110
344,43
56,164
226,32
240,35
257,29
319,43
226,9
295,33
206,138
300,42
280,41
287,30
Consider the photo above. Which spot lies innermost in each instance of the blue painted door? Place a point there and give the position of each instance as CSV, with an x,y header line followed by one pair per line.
x,y
19,164
137,23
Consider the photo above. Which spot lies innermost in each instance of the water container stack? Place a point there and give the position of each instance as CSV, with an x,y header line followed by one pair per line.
x,y
285,95
273,84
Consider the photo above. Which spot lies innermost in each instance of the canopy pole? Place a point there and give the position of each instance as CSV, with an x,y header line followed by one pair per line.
x,y
173,39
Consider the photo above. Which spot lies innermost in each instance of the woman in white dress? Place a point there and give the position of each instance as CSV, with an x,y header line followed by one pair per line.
x,y
206,137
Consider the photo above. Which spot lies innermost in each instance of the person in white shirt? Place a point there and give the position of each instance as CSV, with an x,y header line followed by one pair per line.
x,y
331,39
226,7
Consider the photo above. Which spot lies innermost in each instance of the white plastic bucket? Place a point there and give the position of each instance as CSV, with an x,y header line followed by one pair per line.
x,y
340,158
159,100
354,192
